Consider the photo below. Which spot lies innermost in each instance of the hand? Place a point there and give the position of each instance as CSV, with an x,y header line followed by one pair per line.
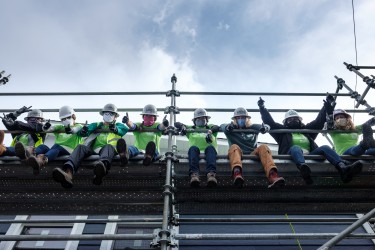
x,y
68,129
230,127
7,121
23,110
260,102
209,138
165,122
215,128
331,99
113,128
183,130
85,129
47,125
125,119
329,107
264,129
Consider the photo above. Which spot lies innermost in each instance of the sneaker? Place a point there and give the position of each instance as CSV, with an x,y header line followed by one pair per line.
x,y
194,180
211,180
238,180
64,178
150,152
305,173
122,150
99,172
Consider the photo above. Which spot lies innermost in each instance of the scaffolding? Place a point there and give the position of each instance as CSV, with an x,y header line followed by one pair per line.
x,y
163,188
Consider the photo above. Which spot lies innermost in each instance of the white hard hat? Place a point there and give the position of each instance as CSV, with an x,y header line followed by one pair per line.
x,y
199,112
109,108
291,113
149,109
35,113
66,111
240,112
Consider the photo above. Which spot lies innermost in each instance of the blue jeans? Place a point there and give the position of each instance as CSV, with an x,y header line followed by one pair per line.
x,y
55,152
10,151
358,150
134,151
41,149
210,156
297,154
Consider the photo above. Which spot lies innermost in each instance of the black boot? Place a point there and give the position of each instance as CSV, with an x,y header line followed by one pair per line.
x,y
368,137
305,173
348,170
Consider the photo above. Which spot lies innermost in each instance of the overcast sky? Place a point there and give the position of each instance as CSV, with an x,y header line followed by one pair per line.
x,y
234,46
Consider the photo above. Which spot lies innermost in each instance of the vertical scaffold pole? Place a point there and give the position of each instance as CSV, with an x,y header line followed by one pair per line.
x,y
168,193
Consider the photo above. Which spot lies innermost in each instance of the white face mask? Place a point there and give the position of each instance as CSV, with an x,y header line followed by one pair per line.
x,y
67,122
108,117
341,122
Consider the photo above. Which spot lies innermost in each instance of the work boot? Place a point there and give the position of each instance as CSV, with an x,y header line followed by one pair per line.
x,y
238,180
368,137
150,152
275,180
100,171
63,177
2,147
305,173
23,152
37,162
122,150
211,180
348,170
195,182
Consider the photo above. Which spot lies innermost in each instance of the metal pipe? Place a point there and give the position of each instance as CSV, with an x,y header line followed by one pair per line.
x,y
87,221
268,220
77,237
329,244
301,236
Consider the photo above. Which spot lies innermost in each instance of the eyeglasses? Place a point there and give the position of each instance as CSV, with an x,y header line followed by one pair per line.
x,y
108,113
66,118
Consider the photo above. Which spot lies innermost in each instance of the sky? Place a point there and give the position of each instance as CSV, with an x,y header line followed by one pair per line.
x,y
212,46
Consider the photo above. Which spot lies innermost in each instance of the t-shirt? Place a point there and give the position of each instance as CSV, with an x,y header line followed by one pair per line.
x,y
142,138
198,139
343,141
67,140
301,140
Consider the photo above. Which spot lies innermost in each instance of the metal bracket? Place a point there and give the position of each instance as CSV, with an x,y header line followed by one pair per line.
x,y
158,233
172,92
169,109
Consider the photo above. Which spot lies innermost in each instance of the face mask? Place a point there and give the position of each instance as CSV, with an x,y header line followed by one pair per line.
x,y
107,117
148,120
241,122
33,120
67,122
200,122
294,124
341,122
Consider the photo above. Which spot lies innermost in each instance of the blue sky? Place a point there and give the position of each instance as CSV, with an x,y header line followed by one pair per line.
x,y
249,46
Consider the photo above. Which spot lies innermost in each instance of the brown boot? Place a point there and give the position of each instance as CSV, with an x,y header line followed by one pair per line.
x,y
211,179
63,177
37,162
23,152
275,180
194,180
238,180
1,137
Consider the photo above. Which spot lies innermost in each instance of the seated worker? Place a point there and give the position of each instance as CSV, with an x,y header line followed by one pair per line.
x,y
24,144
66,139
101,139
297,144
146,142
246,142
347,143
201,142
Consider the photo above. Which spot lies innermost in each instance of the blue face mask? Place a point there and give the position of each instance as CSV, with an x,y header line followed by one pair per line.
x,y
241,122
200,122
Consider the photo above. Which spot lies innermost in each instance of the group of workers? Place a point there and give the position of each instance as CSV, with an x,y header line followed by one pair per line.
x,y
106,139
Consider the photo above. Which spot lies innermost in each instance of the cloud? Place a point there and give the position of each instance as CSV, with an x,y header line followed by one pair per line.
x,y
223,26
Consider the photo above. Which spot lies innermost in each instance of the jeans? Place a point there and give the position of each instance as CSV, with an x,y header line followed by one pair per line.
x,y
358,150
41,149
81,152
210,156
134,151
10,151
56,151
297,154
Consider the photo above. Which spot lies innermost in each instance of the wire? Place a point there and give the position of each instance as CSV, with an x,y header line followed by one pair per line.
x,y
294,232
356,51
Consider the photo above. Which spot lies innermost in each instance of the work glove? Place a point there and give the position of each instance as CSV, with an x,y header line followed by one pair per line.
x,y
230,127
264,129
85,129
260,102
7,121
113,128
215,128
21,111
165,122
68,129
181,128
329,104
371,122
47,125
125,119
209,137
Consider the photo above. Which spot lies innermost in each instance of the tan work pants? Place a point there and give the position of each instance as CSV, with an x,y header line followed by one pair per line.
x,y
262,151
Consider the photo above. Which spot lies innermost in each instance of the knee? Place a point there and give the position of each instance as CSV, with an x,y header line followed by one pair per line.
x,y
264,148
210,149
193,149
234,148
325,148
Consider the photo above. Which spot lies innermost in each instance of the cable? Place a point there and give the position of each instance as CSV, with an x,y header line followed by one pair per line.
x,y
356,52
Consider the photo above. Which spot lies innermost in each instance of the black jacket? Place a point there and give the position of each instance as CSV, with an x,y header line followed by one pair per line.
x,y
284,140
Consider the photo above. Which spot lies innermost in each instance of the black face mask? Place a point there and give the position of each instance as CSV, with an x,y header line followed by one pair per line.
x,y
294,124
